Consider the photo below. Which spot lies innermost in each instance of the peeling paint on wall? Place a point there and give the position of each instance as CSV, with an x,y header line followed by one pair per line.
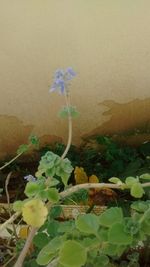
x,y
129,119
13,133
108,45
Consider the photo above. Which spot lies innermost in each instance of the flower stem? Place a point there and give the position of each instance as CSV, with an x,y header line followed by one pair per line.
x,y
67,99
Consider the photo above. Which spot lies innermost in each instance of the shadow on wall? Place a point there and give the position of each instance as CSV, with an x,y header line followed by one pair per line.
x,y
14,133
131,120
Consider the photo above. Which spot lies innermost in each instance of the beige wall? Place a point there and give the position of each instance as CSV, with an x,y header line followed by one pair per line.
x,y
107,42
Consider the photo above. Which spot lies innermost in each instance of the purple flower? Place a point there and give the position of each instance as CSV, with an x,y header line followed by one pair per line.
x,y
30,178
61,79
70,73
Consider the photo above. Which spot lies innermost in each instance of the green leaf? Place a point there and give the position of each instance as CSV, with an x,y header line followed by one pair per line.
x,y
64,170
131,226
87,242
66,227
140,206
31,189
147,216
110,216
40,240
53,195
145,176
87,223
17,205
34,140
72,254
110,249
30,263
118,236
145,227
55,212
52,228
23,148
130,181
64,177
50,172
137,190
50,181
101,261
42,194
65,112
113,249
115,180
49,251
103,234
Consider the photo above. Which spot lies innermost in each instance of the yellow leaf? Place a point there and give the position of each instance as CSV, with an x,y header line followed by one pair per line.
x,y
34,212
80,175
23,232
93,179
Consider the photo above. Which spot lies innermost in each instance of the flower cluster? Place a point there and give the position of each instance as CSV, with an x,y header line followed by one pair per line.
x,y
62,79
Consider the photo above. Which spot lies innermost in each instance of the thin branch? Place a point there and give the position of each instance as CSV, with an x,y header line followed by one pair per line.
x,y
9,221
8,201
11,259
70,191
76,188
12,160
20,260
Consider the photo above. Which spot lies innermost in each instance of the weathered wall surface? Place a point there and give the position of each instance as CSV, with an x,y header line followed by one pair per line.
x,y
107,43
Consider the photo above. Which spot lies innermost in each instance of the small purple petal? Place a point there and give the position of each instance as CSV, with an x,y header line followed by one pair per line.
x,y
61,80
71,71
30,178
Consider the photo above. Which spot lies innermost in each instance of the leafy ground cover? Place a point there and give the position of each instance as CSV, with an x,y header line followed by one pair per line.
x,y
99,161
106,159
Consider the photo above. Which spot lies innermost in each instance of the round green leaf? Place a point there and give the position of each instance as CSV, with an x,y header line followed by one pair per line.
x,y
88,223
40,240
101,261
110,216
53,195
140,206
31,189
49,251
118,236
145,227
130,181
115,180
137,190
145,176
17,205
72,254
